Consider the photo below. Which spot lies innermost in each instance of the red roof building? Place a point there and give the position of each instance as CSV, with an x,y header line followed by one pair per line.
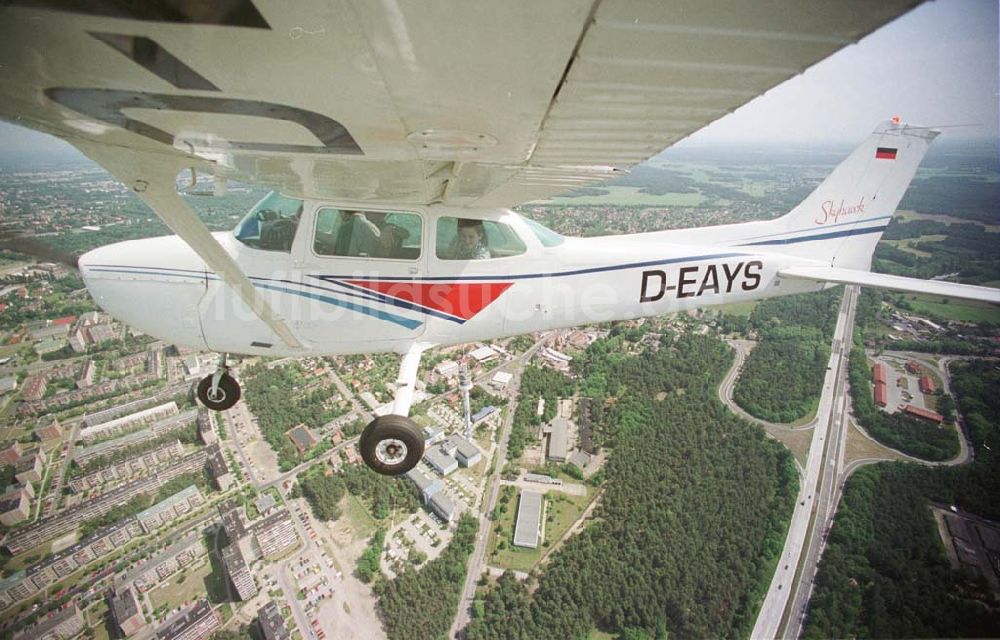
x,y
913,367
65,321
878,373
880,397
926,414
927,385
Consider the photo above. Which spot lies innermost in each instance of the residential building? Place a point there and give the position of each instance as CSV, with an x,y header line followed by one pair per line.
x,y
198,622
167,510
15,506
8,384
238,572
527,530
274,534
218,469
127,612
29,468
272,624
87,375
34,387
61,625
206,428
11,453
49,432
124,423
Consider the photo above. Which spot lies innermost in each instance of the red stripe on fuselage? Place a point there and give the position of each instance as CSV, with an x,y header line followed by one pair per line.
x,y
462,300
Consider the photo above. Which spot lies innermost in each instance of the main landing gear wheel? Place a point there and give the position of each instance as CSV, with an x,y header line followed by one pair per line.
x,y
223,397
391,445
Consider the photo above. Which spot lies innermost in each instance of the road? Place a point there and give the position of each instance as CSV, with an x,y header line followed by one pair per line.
x,y
815,503
477,563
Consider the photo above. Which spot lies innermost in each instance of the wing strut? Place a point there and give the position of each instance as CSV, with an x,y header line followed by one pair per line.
x,y
153,177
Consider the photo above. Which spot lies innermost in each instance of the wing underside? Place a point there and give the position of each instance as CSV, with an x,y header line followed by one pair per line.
x,y
407,101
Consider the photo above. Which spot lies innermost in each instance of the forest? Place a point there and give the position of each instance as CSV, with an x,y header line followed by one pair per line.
x,y
910,435
964,248
271,396
536,383
782,378
694,514
884,573
381,494
421,603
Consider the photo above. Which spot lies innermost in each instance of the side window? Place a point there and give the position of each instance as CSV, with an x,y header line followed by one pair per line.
x,y
469,239
367,234
271,224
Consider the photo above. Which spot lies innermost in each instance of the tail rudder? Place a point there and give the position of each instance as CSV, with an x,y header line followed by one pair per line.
x,y
842,220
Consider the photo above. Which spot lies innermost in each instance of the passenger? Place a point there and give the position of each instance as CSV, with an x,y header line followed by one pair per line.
x,y
469,242
368,234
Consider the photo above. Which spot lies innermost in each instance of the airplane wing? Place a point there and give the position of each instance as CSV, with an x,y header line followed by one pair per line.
x,y
396,101
406,101
897,283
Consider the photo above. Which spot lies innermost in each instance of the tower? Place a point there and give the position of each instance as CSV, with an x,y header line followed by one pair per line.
x,y
465,386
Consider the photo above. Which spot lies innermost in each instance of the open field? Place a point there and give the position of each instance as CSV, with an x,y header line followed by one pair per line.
x,y
905,216
633,196
186,586
961,310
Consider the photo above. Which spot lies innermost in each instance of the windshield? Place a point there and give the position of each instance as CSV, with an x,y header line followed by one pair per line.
x,y
271,224
546,236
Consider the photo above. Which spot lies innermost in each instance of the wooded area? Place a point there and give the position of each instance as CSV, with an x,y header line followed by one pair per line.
x,y
782,378
884,573
421,603
694,514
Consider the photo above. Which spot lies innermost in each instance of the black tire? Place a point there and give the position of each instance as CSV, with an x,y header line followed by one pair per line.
x,y
228,394
383,434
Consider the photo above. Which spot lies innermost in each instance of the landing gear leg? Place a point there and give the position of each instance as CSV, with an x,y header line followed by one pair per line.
x,y
393,444
219,391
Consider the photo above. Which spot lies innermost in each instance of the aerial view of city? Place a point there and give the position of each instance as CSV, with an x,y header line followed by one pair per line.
x,y
408,320
810,452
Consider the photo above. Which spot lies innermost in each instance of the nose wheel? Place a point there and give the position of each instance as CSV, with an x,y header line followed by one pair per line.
x,y
220,394
391,445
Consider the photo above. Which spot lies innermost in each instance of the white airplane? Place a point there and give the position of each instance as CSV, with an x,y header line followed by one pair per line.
x,y
396,134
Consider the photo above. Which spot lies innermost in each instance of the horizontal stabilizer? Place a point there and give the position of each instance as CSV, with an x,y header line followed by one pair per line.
x,y
897,283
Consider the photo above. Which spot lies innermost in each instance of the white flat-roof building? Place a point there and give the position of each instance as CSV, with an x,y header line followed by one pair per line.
x,y
501,379
527,530
440,460
558,440
426,485
484,353
464,451
447,368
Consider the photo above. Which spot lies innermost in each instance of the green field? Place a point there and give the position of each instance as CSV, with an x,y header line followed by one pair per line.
x,y
632,196
186,586
961,310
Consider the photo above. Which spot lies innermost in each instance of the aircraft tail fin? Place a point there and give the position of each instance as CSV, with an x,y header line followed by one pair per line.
x,y
840,222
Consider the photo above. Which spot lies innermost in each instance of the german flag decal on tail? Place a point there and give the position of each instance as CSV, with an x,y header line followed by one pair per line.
x,y
885,153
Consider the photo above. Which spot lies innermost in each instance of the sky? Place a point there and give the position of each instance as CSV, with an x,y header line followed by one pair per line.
x,y
935,66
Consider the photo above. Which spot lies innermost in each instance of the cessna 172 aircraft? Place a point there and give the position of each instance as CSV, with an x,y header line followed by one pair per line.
x,y
395,135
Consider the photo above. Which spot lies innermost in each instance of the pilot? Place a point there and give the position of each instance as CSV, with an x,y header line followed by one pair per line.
x,y
368,234
469,243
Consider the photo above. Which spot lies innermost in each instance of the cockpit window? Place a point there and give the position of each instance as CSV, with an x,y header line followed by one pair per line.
x,y
546,236
471,239
271,224
367,234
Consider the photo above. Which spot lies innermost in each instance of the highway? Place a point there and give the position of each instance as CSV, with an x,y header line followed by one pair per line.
x,y
818,490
